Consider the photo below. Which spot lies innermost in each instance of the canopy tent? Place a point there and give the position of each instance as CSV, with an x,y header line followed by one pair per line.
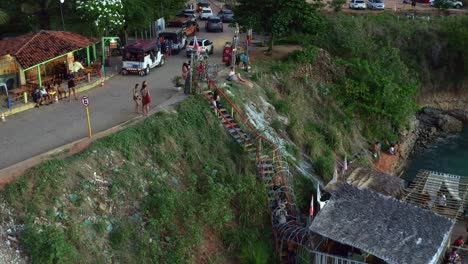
x,y
392,230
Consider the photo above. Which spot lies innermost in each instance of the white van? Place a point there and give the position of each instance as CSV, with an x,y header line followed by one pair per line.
x,y
141,56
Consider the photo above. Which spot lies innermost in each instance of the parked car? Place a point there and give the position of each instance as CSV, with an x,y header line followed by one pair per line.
x,y
226,16
141,56
450,3
214,23
188,14
205,45
202,5
188,27
357,4
205,13
179,39
375,4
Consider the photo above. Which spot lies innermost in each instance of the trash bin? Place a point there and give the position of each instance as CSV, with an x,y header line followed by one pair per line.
x,y
9,102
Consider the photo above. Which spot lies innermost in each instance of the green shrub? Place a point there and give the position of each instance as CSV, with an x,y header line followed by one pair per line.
x,y
47,244
256,252
282,106
324,165
337,5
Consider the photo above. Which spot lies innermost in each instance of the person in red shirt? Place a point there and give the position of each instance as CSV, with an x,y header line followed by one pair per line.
x,y
459,242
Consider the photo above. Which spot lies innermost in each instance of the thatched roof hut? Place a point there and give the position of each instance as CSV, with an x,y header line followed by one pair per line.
x,y
387,228
370,179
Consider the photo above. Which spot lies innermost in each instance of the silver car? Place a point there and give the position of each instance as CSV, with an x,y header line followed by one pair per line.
x,y
214,23
375,4
226,16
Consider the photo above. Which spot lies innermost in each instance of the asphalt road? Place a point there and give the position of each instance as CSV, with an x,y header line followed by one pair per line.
x,y
39,130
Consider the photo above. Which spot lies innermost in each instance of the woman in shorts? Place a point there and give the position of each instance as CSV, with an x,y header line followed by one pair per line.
x,y
136,98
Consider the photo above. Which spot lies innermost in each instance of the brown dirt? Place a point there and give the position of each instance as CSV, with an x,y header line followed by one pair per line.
x,y
386,163
209,248
279,52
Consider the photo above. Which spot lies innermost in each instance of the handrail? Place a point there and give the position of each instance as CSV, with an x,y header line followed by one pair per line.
x,y
222,116
253,129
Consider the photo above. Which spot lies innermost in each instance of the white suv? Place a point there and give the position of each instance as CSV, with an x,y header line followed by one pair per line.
x,y
450,3
357,4
205,13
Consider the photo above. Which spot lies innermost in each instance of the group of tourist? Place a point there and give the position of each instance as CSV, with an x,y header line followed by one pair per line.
x,y
142,97
165,46
454,255
46,95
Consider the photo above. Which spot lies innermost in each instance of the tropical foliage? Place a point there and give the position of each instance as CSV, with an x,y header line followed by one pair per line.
x,y
278,17
105,15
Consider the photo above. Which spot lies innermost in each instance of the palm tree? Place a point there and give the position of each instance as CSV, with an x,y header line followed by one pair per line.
x,y
3,17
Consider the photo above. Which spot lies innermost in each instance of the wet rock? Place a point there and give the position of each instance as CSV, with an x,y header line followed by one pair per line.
x,y
449,124
459,114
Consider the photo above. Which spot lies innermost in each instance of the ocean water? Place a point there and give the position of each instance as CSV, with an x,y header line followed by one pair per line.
x,y
448,155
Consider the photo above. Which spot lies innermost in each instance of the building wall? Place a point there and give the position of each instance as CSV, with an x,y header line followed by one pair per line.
x,y
8,71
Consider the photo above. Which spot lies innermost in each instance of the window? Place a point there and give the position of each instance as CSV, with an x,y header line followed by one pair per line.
x,y
214,20
206,11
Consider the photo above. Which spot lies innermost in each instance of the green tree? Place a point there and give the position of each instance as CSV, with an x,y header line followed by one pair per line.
x,y
3,17
278,17
41,9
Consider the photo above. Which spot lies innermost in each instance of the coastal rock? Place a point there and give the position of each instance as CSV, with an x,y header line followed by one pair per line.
x,y
459,114
449,124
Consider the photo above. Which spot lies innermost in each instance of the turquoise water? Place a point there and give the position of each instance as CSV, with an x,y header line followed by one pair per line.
x,y
449,155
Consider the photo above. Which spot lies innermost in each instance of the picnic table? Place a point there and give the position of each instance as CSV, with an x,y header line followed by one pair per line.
x,y
45,81
17,93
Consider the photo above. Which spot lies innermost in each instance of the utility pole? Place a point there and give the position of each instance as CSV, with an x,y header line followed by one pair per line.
x,y
235,41
61,13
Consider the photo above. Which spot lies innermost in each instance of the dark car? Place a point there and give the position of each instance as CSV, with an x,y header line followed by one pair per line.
x,y
214,24
227,16
188,13
202,5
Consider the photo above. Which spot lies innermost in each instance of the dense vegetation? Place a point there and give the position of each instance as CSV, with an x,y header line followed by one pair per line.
x,y
32,15
179,192
387,61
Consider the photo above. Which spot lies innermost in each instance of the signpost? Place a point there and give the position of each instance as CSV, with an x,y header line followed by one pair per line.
x,y
85,102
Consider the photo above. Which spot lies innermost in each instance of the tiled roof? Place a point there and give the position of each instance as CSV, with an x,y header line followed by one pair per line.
x,y
34,48
391,230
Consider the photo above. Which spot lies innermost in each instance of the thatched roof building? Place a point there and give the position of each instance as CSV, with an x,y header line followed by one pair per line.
x,y
387,228
370,179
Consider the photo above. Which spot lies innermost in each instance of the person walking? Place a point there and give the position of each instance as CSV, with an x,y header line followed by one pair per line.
x,y
136,98
169,46
145,98
186,76
71,87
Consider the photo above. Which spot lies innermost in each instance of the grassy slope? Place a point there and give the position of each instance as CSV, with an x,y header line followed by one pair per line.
x,y
179,191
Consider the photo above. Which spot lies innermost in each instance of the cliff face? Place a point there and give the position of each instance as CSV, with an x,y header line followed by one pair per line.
x,y
429,124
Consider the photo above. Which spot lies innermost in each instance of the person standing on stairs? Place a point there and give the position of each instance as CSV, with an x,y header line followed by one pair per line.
x,y
216,99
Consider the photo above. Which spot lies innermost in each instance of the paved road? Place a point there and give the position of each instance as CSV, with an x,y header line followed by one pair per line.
x,y
38,130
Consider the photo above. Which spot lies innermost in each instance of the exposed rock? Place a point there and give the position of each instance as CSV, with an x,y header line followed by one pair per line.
x,y
449,124
459,114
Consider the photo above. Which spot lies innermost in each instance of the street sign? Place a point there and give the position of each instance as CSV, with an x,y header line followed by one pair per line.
x,y
85,101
